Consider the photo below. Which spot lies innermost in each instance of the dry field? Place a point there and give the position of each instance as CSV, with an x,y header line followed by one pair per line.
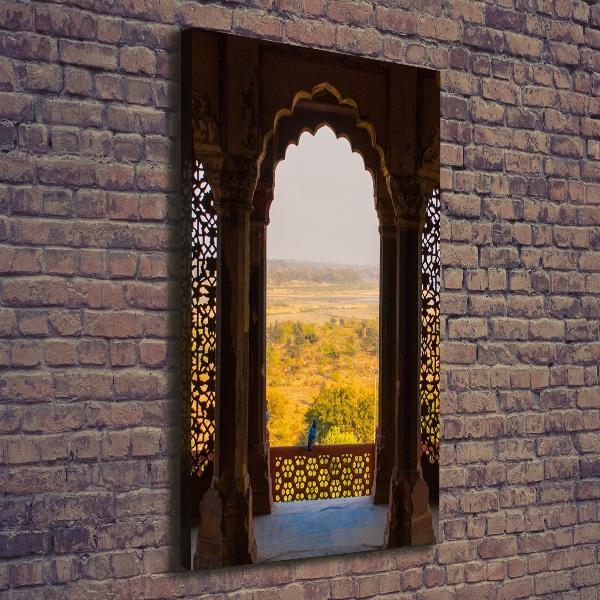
x,y
315,305
318,303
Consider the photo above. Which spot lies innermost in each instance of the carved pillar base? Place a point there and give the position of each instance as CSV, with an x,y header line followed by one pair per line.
x,y
225,537
409,518
258,467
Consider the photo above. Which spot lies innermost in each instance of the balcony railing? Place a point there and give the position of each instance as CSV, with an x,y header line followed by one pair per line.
x,y
335,471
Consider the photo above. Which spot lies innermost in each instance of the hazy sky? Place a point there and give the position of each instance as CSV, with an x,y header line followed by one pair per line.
x,y
323,207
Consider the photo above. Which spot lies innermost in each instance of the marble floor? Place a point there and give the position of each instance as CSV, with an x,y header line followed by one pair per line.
x,y
320,528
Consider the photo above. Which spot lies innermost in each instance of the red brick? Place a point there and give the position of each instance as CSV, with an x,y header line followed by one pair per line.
x,y
60,353
153,267
113,325
109,86
517,588
153,207
115,176
14,15
65,23
78,82
503,19
566,54
39,77
522,45
16,107
396,21
88,54
122,264
456,552
359,41
137,60
65,140
137,91
26,354
73,112
7,136
42,291
546,583
138,384
441,29
125,564
109,30
350,13
28,46
92,352
96,143
15,168
22,544
26,386
83,384
153,353
146,442
483,38
310,33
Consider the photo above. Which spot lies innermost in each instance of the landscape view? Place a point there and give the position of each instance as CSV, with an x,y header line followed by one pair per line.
x,y
322,351
322,302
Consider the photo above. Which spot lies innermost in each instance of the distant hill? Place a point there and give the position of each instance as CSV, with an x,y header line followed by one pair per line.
x,y
281,271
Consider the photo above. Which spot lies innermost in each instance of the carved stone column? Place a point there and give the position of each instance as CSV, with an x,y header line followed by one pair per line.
x,y
386,439
409,515
225,536
258,445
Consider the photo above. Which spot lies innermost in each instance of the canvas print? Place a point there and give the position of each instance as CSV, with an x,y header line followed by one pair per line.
x,y
310,303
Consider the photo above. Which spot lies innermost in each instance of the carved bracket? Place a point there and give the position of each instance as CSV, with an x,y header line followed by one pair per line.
x,y
410,196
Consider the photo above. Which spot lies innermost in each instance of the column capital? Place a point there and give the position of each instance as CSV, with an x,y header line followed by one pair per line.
x,y
233,180
410,197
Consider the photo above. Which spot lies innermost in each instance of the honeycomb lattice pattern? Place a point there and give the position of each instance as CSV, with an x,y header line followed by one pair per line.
x,y
201,251
338,471
430,335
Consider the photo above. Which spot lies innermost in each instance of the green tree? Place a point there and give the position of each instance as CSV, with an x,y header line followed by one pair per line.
x,y
335,436
348,408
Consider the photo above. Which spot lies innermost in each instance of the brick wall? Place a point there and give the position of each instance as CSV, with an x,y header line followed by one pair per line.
x,y
89,296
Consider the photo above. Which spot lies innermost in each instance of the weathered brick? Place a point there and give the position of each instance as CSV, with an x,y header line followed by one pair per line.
x,y
66,23
483,38
566,54
66,172
522,45
359,41
73,112
28,46
88,54
350,13
78,82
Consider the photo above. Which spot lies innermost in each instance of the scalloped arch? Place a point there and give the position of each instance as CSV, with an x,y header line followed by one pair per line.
x,y
360,123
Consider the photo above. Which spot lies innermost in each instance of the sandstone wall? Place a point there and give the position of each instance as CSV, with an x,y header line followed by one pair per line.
x,y
89,296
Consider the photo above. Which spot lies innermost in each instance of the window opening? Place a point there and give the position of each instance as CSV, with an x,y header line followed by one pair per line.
x,y
322,321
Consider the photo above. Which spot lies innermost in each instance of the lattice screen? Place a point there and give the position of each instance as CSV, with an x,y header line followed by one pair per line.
x,y
202,293
430,336
339,471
